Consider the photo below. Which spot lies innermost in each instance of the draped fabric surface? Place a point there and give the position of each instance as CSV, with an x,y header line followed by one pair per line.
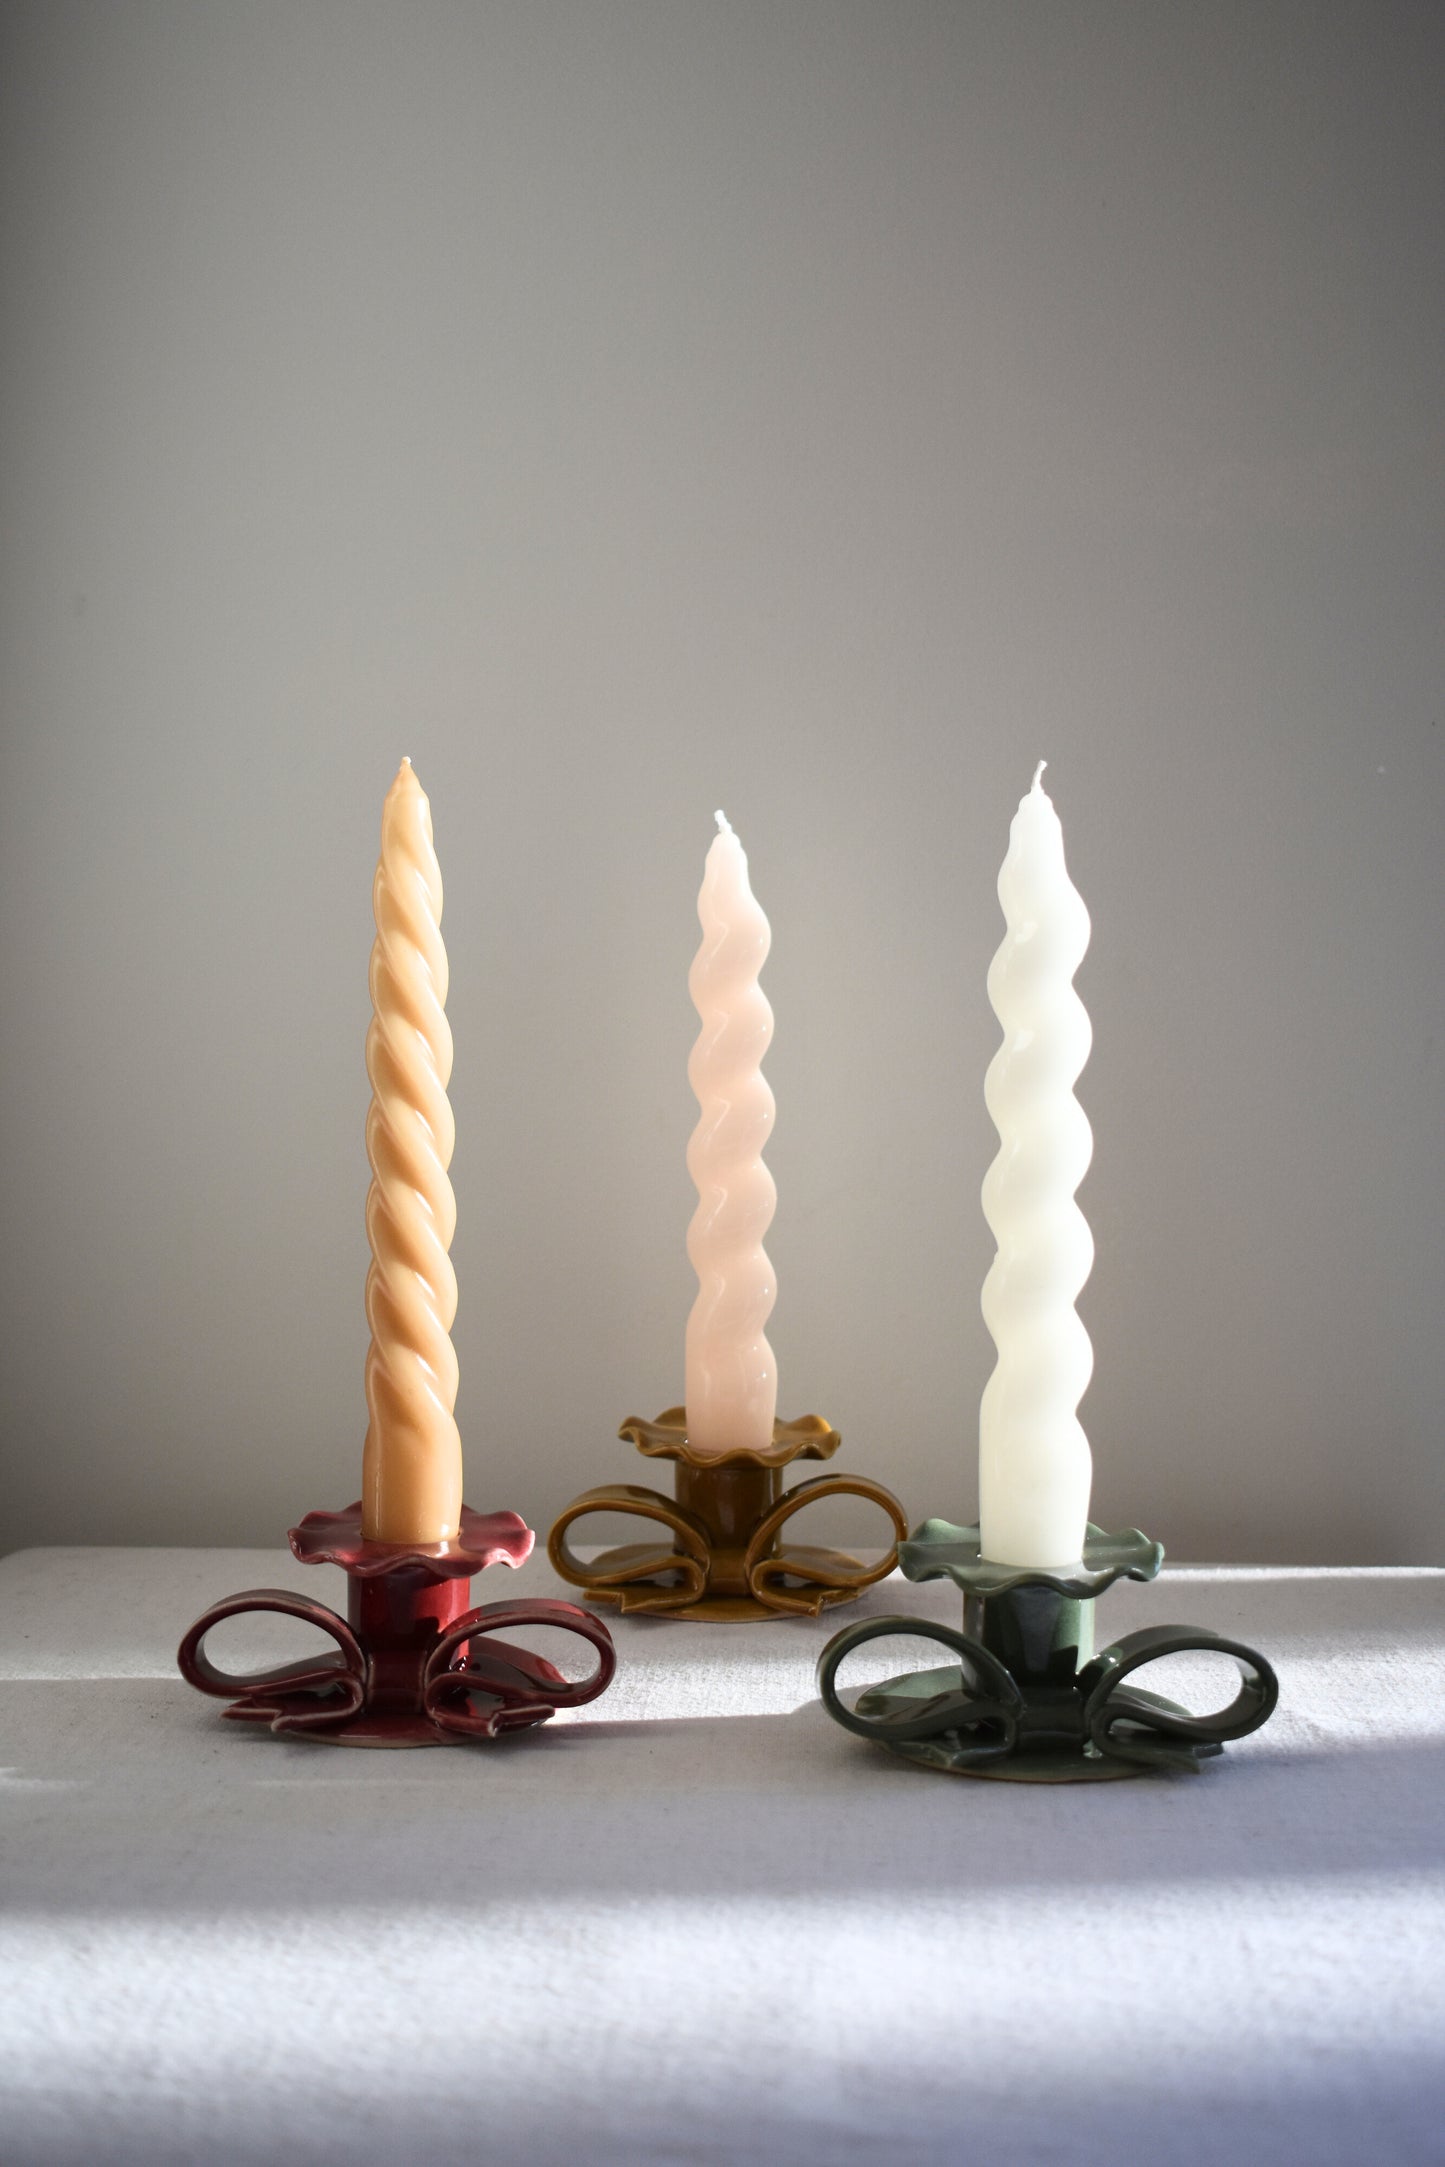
x,y
698,1923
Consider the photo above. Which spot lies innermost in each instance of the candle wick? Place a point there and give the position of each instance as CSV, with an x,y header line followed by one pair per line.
x,y
724,825
1038,771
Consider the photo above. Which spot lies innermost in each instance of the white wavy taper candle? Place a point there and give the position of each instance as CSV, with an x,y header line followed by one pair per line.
x,y
1034,1461
732,1384
412,1464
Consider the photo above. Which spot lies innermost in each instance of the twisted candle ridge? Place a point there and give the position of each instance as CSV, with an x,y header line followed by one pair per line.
x,y
732,1385
412,1464
1034,1460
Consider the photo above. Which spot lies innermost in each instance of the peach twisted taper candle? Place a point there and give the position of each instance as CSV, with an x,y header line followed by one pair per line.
x,y
1034,1465
412,1465
732,1384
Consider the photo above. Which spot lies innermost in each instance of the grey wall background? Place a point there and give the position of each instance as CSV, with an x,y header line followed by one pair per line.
x,y
816,410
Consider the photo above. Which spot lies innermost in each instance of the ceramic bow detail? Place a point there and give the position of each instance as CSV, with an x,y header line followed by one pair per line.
x,y
469,1684
974,1712
722,1548
414,1663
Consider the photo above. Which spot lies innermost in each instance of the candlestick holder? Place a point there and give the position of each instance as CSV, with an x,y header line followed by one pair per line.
x,y
1025,1699
723,1556
416,1665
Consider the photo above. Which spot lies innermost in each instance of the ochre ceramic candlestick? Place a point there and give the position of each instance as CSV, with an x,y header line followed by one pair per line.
x,y
721,1546
721,1550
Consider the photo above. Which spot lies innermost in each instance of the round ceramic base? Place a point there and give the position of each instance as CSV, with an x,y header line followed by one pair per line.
x,y
379,1730
400,1730
901,1697
383,1731
389,1727
363,1729
654,1599
707,1610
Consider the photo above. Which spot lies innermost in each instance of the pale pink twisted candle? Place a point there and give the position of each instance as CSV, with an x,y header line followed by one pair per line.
x,y
412,1464
732,1384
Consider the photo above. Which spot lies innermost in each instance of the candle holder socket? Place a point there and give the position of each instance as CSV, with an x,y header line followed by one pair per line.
x,y
1024,1698
722,1552
415,1663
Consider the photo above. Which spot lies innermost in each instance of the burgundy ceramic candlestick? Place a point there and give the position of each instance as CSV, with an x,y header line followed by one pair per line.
x,y
415,1665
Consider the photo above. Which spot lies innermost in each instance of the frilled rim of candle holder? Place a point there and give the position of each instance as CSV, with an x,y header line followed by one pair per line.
x,y
807,1438
940,1551
483,1539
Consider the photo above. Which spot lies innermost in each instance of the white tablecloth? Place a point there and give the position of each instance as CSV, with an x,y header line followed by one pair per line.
x,y
696,1922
